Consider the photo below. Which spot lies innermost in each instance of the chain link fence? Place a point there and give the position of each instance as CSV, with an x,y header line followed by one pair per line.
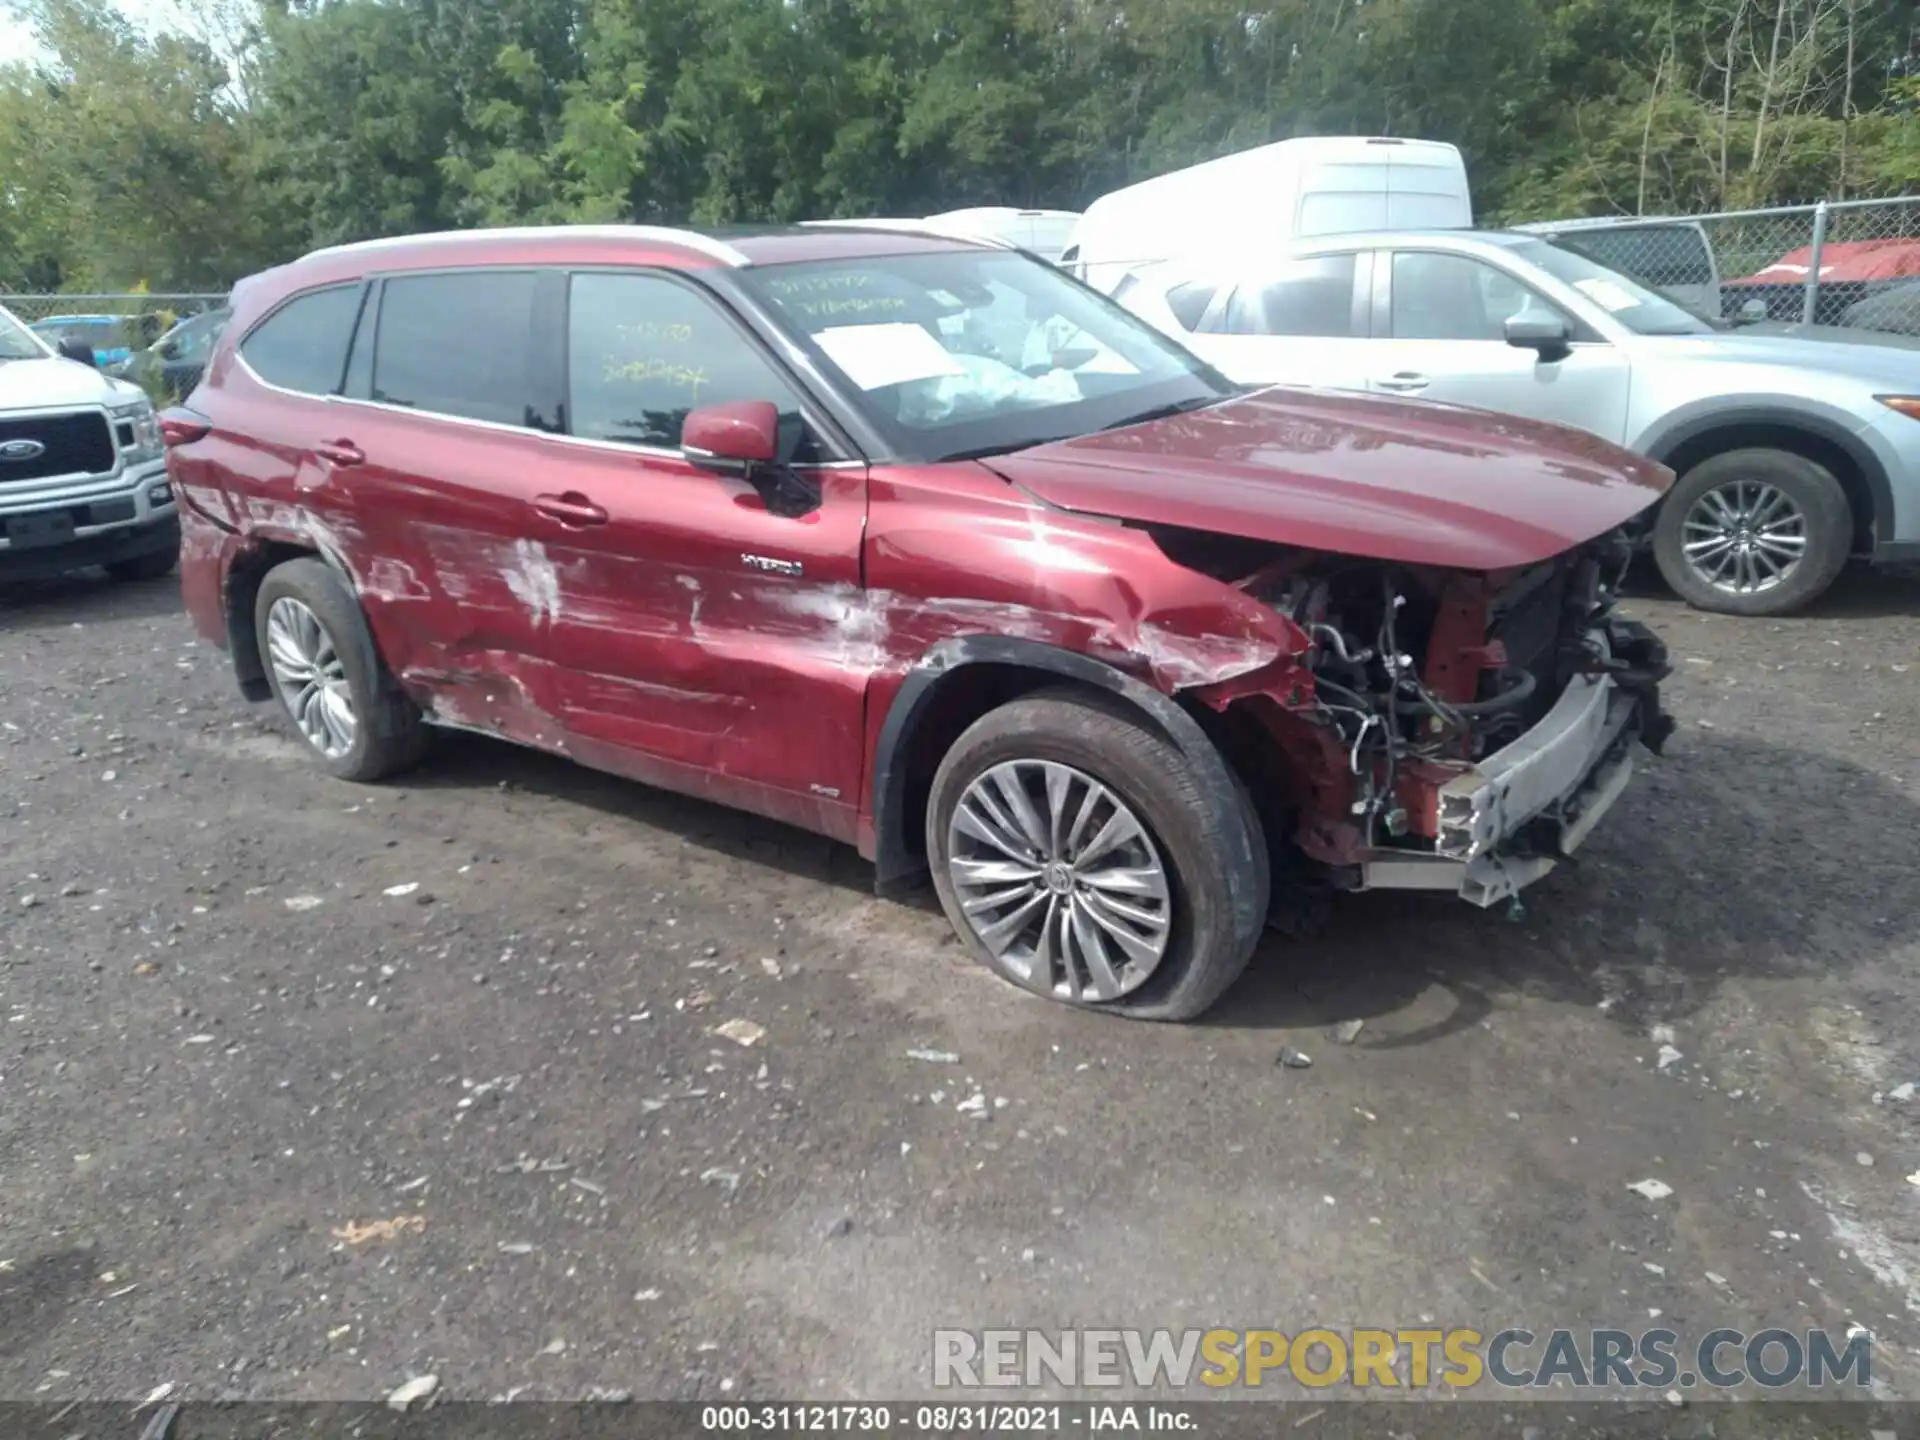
x,y
124,333
140,318
1852,263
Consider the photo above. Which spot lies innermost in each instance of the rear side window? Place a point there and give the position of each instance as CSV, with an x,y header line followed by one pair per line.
x,y
302,346
459,345
1308,297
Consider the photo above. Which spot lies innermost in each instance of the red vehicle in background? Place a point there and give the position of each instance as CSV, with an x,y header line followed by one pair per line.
x,y
1851,271
924,546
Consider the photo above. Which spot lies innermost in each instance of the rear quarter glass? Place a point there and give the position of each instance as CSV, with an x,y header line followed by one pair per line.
x,y
302,345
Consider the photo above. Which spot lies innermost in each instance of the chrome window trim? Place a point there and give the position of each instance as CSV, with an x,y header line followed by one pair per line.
x,y
615,447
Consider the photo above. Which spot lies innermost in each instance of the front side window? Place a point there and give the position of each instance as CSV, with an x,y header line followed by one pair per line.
x,y
194,338
16,341
643,351
302,346
1628,301
975,352
1455,297
459,345
1308,297
1189,302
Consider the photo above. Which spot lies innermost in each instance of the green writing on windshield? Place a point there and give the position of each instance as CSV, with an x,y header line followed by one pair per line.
x,y
851,305
818,284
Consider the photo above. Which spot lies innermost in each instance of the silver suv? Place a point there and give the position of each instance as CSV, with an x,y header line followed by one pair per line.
x,y
1794,451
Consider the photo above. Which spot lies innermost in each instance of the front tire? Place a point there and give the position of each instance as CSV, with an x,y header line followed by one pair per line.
x,y
330,681
1076,857
1753,532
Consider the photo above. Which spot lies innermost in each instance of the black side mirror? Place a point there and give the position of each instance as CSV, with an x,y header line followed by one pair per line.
x,y
1548,335
74,348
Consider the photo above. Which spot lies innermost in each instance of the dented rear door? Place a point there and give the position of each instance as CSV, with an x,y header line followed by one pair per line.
x,y
452,398
700,639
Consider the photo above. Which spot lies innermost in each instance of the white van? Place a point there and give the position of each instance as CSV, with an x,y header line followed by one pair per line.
x,y
1044,232
1323,185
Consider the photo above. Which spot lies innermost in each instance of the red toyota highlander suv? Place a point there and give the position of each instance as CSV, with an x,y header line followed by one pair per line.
x,y
922,545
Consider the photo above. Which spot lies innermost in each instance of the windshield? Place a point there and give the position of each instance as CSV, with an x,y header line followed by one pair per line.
x,y
1628,301
969,352
16,341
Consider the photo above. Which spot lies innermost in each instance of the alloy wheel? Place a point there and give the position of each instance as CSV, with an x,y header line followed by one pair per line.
x,y
311,676
1744,537
1059,880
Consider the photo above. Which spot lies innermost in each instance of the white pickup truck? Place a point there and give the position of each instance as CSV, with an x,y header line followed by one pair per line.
x,y
83,473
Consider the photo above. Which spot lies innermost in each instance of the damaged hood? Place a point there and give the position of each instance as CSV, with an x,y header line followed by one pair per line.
x,y
1407,481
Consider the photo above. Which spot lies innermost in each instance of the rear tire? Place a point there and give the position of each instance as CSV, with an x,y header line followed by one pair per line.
x,y
1789,513
1143,928
155,565
332,685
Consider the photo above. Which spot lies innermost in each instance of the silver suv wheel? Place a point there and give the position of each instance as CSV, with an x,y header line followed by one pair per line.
x,y
1744,537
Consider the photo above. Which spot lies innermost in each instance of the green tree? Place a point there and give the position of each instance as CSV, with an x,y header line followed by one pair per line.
x,y
126,157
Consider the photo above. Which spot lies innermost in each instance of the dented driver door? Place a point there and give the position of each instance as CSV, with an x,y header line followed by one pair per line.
x,y
700,640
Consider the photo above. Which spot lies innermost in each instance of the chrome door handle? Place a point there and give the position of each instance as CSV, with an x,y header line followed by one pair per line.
x,y
1405,383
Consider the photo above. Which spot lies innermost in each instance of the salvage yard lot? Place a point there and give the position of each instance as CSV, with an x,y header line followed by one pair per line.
x,y
227,1054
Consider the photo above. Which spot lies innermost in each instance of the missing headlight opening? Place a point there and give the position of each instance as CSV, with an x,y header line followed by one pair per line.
x,y
1447,730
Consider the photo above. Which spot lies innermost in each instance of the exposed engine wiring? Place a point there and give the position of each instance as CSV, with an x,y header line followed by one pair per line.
x,y
1339,643
1525,683
1402,670
1379,704
1353,754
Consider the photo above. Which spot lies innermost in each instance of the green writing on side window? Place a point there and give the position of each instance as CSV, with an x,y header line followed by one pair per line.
x,y
642,331
672,373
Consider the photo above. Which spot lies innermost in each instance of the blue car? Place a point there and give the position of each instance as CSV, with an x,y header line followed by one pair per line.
x,y
111,337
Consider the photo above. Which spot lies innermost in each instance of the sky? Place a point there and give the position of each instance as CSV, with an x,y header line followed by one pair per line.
x,y
16,43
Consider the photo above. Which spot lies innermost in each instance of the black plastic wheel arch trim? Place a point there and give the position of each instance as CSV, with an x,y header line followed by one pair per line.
x,y
895,861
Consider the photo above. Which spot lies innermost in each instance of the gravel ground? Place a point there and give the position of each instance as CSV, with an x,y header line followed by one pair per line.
x,y
270,1129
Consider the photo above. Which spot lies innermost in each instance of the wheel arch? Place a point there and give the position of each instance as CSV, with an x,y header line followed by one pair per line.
x,y
1683,444
245,575
956,682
